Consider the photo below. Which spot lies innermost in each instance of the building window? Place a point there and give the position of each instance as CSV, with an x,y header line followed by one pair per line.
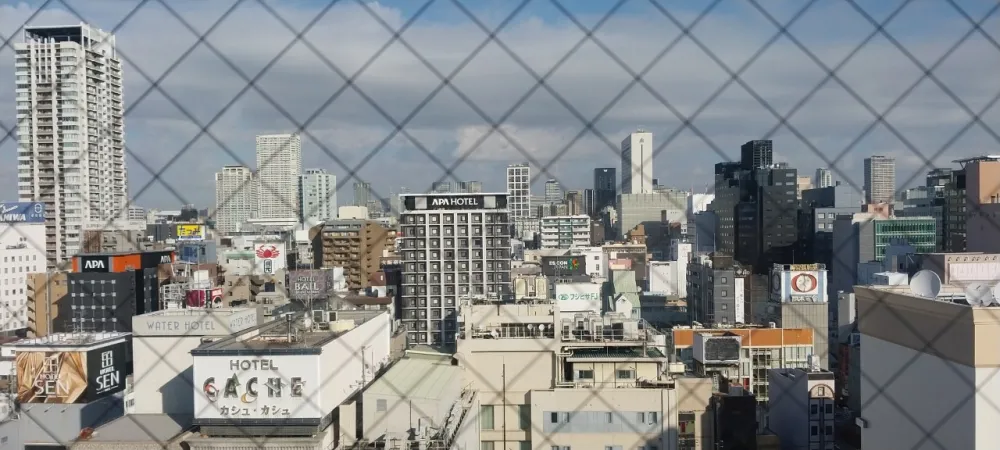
x,y
641,417
814,409
524,416
486,417
609,417
524,445
486,445
624,374
585,374
380,405
815,430
652,417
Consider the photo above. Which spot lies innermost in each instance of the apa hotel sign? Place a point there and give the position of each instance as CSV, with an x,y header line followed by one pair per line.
x,y
454,201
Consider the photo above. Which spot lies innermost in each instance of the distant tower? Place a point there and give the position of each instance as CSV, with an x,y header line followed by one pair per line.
x,y
637,163
880,179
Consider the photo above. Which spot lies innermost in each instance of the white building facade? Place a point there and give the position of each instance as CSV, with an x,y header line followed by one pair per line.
x,y
279,164
22,246
519,190
70,128
637,163
880,179
558,232
318,193
235,198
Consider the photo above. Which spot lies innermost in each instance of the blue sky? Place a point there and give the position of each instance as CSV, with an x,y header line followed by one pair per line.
x,y
548,123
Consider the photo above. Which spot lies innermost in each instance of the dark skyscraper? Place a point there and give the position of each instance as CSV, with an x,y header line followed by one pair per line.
x,y
605,188
756,154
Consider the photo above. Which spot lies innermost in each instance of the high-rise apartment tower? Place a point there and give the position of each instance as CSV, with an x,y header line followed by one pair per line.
x,y
318,191
880,179
235,198
279,165
70,129
519,190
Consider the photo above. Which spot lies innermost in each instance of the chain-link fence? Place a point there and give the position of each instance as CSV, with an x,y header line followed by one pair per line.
x,y
448,91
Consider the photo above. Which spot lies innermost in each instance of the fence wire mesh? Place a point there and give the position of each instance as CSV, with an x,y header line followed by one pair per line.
x,y
551,83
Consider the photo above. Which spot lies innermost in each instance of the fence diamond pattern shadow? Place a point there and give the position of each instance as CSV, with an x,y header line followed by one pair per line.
x,y
543,82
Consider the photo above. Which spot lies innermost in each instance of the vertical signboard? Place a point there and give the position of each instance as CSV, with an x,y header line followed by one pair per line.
x,y
310,284
269,257
106,371
277,387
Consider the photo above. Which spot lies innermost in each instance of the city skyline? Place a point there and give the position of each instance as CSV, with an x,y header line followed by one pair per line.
x,y
539,129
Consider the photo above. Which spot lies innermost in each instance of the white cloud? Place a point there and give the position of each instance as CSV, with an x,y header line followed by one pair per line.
x,y
397,82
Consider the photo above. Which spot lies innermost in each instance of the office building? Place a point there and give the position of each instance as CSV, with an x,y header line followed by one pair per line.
x,y
951,356
279,164
823,178
756,154
880,179
363,194
318,193
453,247
605,189
22,239
519,191
235,198
549,379
801,407
565,231
664,206
440,187
355,245
553,192
637,163
470,187
767,217
715,289
743,354
982,187
70,132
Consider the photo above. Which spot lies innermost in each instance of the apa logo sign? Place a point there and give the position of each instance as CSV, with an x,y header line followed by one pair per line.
x,y
95,264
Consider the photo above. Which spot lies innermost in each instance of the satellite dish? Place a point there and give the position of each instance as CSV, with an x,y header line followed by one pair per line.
x,y
925,284
995,300
979,294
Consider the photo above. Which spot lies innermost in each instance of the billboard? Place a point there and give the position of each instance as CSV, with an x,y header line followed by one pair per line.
x,y
578,297
454,202
188,322
204,298
310,284
563,265
275,387
22,212
121,262
70,376
798,285
269,257
190,232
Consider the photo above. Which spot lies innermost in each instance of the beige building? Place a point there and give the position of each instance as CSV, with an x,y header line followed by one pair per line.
x,y
579,381
355,245
752,351
928,370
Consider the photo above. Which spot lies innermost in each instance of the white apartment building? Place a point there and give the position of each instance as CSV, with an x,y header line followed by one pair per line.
x,y
235,198
823,178
880,179
576,381
936,377
70,129
318,193
22,246
453,247
519,190
279,164
637,163
564,232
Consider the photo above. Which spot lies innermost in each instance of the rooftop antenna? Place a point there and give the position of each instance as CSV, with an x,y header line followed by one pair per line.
x,y
925,283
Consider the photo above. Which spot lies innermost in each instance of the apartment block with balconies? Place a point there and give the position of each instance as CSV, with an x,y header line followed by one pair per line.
x,y
355,245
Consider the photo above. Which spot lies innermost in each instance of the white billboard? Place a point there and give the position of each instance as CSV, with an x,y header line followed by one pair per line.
x,y
798,285
269,257
578,297
257,387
